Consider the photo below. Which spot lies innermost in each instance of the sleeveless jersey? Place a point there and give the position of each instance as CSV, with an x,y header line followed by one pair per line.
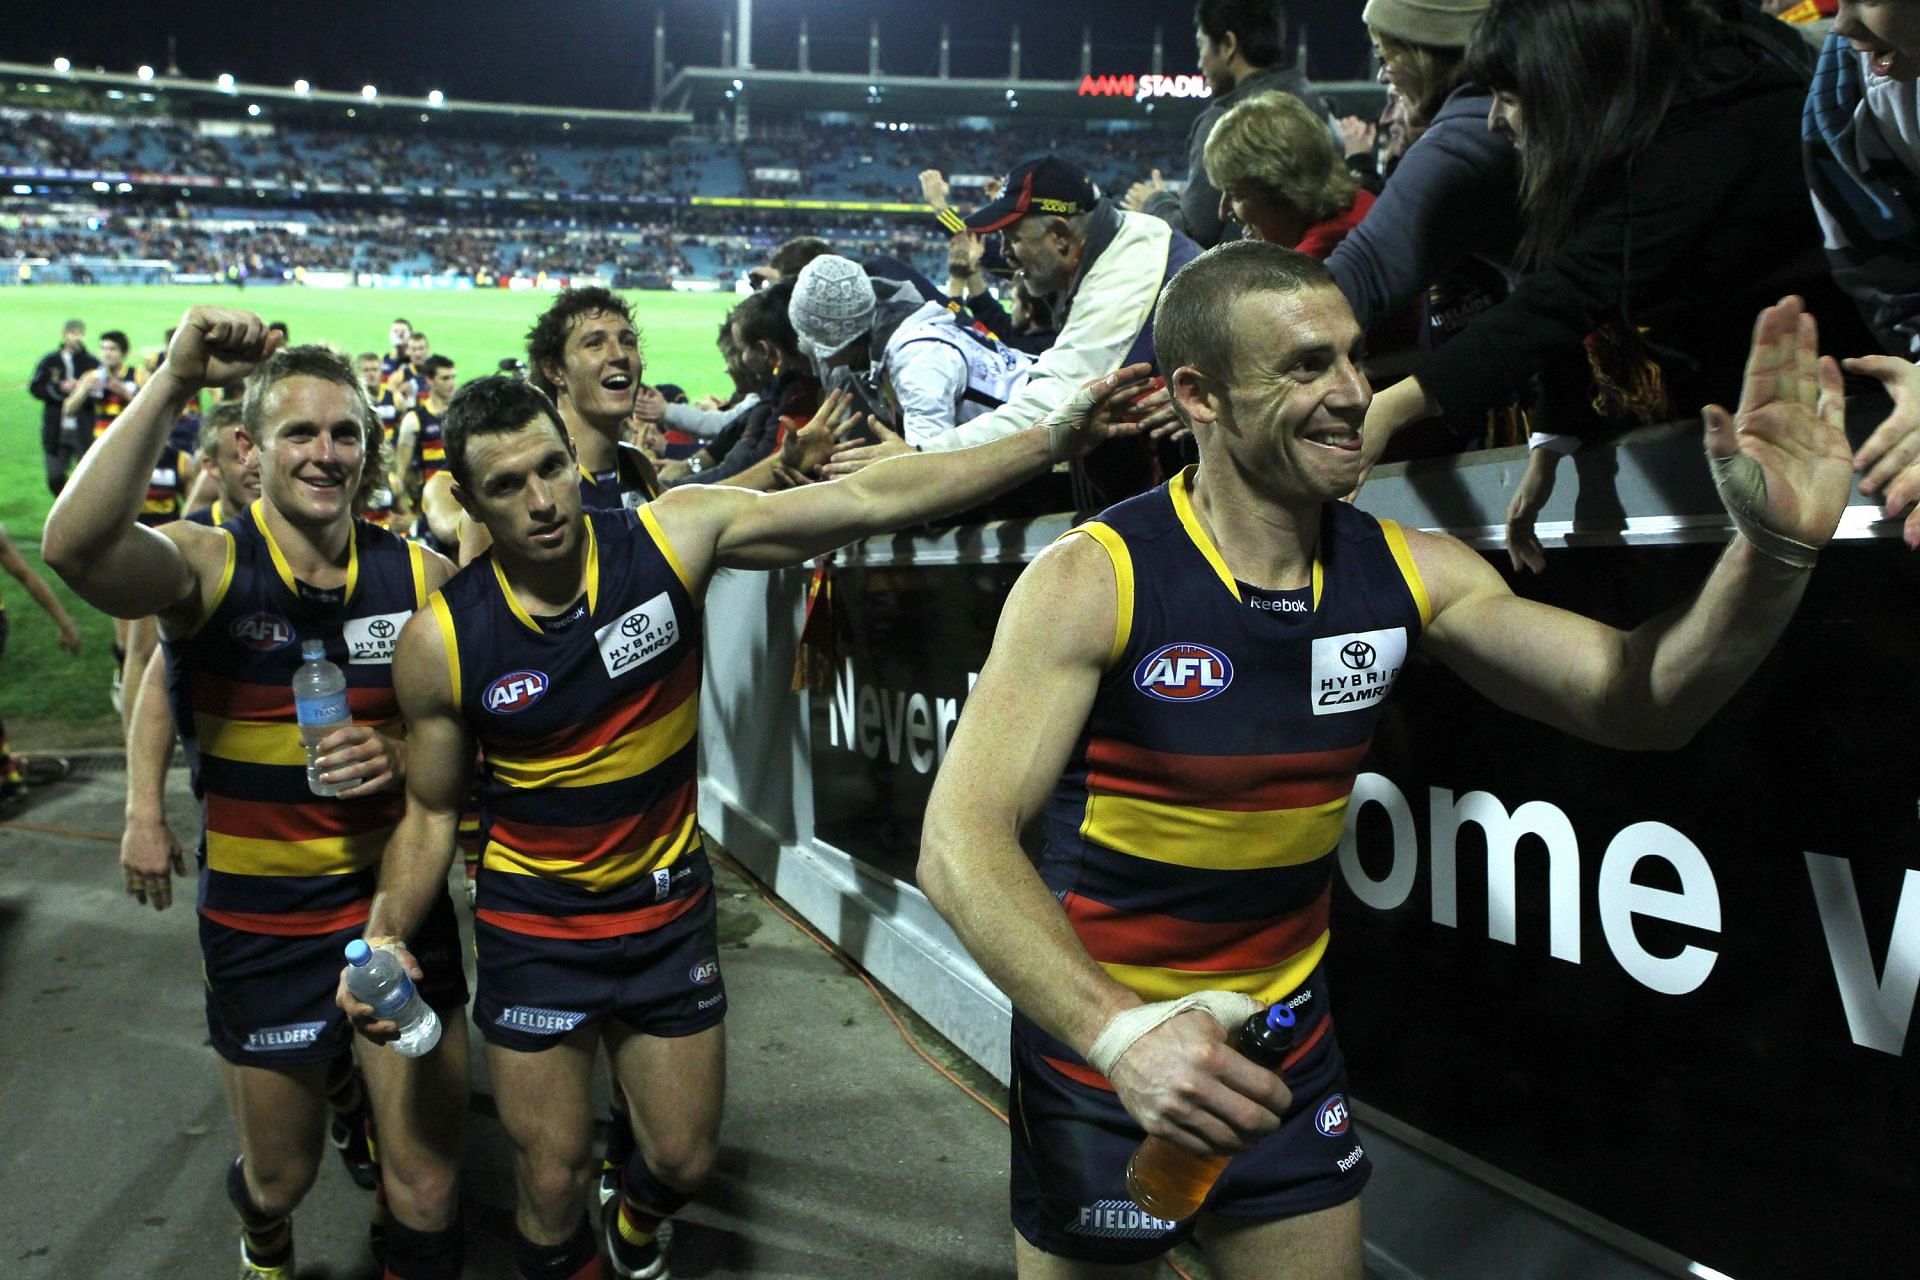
x,y
1188,839
215,515
631,483
111,399
166,488
275,858
429,447
587,728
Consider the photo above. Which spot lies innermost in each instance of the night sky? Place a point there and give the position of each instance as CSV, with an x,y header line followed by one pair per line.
x,y
598,53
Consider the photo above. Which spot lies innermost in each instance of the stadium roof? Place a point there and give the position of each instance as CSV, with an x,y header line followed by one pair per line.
x,y
232,98
1131,94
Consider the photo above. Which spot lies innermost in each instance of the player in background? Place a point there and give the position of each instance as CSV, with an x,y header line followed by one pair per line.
x,y
286,875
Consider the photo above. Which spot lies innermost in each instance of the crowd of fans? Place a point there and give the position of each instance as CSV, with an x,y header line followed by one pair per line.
x,y
1544,271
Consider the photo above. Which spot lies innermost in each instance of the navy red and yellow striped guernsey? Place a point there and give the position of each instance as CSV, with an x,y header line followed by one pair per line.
x,y
275,858
1189,838
429,447
587,724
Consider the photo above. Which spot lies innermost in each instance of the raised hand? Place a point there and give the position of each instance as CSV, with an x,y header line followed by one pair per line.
x,y
1126,402
1781,460
1889,462
934,188
213,346
1529,496
1140,192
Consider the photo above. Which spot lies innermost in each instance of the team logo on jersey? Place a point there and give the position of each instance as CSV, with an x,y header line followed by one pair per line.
x,y
705,974
263,631
1355,670
372,640
637,635
514,691
1332,1117
1183,673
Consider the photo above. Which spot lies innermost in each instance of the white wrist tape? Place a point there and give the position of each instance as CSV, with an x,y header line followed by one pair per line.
x,y
1229,1009
1067,422
1743,491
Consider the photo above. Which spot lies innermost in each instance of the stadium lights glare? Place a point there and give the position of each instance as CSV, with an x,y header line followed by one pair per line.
x,y
737,86
145,73
253,108
302,87
226,82
424,117
368,92
62,65
436,98
124,187
101,187
22,189
352,112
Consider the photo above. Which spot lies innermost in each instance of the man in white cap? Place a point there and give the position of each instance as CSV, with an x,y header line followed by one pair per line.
x,y
927,370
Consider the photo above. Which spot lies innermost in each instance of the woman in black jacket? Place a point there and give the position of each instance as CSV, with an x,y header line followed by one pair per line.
x,y
1663,205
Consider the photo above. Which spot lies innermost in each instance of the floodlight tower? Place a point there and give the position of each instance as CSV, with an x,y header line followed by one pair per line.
x,y
743,62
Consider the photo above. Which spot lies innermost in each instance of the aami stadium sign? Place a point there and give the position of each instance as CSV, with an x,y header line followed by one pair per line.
x,y
1142,87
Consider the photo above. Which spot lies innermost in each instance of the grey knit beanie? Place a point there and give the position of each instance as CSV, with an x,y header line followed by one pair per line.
x,y
832,305
1445,24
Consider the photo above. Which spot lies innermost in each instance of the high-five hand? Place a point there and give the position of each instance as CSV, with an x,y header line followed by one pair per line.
x,y
1781,462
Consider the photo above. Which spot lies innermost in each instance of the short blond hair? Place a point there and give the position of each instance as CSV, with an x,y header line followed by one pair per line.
x,y
1276,142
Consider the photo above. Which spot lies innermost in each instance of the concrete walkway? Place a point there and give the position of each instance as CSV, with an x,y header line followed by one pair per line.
x,y
845,1155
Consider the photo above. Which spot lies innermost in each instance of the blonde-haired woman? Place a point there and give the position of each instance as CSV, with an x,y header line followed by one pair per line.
x,y
1280,176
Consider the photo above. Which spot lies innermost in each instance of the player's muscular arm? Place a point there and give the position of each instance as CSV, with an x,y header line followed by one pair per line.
x,y
1784,470
737,530
93,539
418,856
1055,639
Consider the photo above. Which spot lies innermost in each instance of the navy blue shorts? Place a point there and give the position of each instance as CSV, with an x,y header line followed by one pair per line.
x,y
662,981
1072,1140
270,997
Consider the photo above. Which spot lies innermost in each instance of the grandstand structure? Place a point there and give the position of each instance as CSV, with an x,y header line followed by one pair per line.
x,y
117,177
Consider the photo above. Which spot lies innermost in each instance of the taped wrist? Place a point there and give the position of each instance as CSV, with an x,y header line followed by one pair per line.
x,y
1743,491
1065,423
1229,1009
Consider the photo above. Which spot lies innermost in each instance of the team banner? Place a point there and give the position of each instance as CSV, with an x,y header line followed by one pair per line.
x,y
1675,989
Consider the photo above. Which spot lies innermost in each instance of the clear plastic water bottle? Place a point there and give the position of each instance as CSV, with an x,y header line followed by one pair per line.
x,y
377,978
1171,1182
320,702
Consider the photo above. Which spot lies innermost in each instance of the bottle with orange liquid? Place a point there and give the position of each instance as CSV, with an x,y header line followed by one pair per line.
x,y
1171,1182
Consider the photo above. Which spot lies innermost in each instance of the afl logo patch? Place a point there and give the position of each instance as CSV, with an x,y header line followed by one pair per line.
x,y
514,691
705,973
1332,1118
263,631
1183,673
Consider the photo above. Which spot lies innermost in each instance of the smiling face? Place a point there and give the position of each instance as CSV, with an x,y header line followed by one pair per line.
x,y
1887,31
600,367
1263,213
312,450
1043,253
1288,416
526,490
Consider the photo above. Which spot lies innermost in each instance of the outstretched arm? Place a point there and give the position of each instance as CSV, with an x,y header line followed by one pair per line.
x,y
93,539
731,529
1055,638
1783,468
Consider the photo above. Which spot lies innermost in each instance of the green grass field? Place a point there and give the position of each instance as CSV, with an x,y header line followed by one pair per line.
x,y
49,698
